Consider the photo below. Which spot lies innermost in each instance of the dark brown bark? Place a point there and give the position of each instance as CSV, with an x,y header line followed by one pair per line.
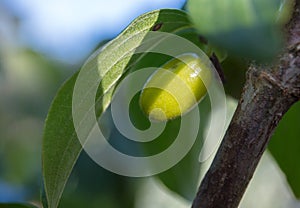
x,y
268,93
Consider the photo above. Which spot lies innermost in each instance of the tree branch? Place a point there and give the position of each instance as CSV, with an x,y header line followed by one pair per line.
x,y
268,93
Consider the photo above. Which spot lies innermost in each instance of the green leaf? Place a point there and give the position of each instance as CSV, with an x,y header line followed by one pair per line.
x,y
15,205
285,147
246,28
61,147
183,178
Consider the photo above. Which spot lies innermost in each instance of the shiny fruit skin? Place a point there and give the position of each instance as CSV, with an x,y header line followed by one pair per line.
x,y
175,88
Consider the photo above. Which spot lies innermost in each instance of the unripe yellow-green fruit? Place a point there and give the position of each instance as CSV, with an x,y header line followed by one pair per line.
x,y
175,88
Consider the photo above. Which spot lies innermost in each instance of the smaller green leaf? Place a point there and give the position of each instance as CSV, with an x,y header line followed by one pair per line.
x,y
285,147
183,178
16,205
234,71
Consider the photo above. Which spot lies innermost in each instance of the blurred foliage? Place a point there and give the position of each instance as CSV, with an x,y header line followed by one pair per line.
x,y
16,205
250,29
28,83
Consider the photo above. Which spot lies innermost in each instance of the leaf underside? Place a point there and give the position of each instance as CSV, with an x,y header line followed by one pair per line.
x,y
61,147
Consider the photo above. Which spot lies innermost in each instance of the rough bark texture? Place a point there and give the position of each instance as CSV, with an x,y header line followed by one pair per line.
x,y
268,93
